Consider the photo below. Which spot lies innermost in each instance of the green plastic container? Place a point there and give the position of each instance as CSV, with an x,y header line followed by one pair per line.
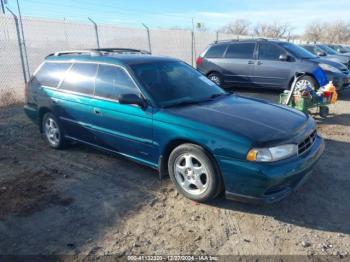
x,y
299,102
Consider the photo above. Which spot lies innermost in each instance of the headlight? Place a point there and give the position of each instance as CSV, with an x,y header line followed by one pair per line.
x,y
272,153
329,68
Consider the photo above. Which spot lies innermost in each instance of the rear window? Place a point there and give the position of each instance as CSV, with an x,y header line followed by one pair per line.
x,y
241,51
50,74
80,78
113,81
216,51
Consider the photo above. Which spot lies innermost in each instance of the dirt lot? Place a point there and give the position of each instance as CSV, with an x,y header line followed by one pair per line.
x,y
82,201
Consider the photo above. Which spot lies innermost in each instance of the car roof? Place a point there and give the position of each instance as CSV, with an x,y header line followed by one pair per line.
x,y
233,41
116,59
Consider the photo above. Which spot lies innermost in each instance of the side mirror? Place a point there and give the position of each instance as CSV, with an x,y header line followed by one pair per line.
x,y
321,53
283,57
132,99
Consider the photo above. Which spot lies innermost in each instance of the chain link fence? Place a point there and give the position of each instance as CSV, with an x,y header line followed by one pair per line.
x,y
20,56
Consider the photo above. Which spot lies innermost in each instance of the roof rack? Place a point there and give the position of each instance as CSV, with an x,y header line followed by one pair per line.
x,y
240,40
122,50
100,52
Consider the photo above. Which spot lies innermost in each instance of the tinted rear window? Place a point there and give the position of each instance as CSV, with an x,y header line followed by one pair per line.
x,y
50,74
216,51
80,78
241,51
113,81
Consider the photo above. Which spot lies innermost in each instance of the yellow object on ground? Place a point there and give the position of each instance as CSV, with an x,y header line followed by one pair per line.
x,y
331,88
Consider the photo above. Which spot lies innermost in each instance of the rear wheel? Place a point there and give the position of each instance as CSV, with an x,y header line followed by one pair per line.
x,y
306,81
53,131
216,78
194,173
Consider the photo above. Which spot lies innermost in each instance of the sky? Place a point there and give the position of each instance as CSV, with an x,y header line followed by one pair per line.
x,y
179,13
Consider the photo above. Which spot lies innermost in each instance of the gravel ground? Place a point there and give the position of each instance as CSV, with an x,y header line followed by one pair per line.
x,y
84,202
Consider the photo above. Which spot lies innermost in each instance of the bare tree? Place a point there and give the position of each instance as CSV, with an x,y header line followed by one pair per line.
x,y
273,30
314,32
237,27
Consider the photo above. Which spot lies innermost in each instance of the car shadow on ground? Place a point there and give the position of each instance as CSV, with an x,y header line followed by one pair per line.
x,y
322,203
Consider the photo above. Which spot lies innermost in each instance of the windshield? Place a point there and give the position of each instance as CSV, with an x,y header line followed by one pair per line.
x,y
174,83
298,51
328,50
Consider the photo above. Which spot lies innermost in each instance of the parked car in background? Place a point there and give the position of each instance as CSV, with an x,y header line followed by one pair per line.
x,y
268,64
164,114
327,53
341,49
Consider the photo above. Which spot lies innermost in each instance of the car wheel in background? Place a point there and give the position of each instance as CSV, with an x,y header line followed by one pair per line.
x,y
216,78
194,173
53,131
307,80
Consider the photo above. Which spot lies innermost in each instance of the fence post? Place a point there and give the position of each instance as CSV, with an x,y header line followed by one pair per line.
x,y
217,36
96,32
148,37
19,45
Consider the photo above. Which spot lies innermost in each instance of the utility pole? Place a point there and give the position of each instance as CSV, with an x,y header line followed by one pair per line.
x,y
2,6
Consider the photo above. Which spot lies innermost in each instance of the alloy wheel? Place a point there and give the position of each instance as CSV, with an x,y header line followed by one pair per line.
x,y
52,132
191,174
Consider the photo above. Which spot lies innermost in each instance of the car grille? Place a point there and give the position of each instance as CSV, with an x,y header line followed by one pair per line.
x,y
307,143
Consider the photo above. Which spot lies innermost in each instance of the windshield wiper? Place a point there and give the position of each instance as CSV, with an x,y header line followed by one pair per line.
x,y
183,103
218,95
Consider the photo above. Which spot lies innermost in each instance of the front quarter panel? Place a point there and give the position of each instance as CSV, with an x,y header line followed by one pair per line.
x,y
169,128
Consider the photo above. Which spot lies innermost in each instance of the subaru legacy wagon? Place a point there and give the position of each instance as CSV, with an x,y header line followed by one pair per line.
x,y
164,114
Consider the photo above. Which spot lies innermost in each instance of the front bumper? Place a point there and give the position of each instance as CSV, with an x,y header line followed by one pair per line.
x,y
268,182
341,81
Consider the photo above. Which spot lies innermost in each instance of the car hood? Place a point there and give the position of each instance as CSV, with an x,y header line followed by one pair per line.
x,y
258,120
337,58
335,64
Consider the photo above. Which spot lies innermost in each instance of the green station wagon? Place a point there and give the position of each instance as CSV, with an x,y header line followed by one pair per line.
x,y
164,114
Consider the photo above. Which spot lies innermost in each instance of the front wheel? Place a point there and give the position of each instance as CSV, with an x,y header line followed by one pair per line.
x,y
306,81
194,173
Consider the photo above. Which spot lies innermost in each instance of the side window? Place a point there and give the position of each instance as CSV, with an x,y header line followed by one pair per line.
x,y
269,52
50,74
113,81
80,78
241,51
216,51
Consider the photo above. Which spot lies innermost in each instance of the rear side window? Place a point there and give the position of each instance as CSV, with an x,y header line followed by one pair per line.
x,y
112,81
80,78
241,51
50,74
216,51
269,52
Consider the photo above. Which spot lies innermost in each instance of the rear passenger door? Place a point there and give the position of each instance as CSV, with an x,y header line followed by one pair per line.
x,y
239,63
127,129
269,71
74,101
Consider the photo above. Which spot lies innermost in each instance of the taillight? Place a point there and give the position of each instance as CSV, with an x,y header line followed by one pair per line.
x,y
199,60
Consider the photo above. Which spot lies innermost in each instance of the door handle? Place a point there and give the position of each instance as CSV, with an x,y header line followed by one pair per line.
x,y
97,111
250,62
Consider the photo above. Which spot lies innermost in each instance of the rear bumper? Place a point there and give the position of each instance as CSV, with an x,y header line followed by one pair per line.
x,y
267,183
32,113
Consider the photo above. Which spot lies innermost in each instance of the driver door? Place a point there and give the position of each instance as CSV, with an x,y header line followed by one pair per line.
x,y
127,129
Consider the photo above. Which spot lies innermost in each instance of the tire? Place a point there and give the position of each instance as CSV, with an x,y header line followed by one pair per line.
x,y
53,131
194,173
216,78
308,80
